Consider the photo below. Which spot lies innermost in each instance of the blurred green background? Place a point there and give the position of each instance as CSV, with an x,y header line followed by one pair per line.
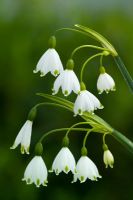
x,y
25,27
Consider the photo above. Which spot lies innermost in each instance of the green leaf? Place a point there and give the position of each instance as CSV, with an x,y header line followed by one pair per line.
x,y
98,123
104,42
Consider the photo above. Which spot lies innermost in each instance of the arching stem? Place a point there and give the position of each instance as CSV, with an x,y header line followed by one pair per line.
x,y
86,136
60,130
86,62
127,77
74,125
87,46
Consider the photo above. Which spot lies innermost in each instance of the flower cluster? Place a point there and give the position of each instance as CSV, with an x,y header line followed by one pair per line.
x,y
36,172
68,81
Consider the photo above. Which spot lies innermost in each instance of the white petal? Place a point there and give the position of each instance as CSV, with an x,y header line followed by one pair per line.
x,y
64,161
94,100
26,138
88,103
49,62
67,82
86,169
55,63
57,83
20,135
78,105
82,169
36,171
43,64
105,83
83,103
76,85
108,158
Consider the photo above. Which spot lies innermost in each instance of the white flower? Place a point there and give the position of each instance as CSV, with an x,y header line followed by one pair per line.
x,y
24,137
86,101
86,169
68,81
49,62
64,161
105,83
108,158
36,172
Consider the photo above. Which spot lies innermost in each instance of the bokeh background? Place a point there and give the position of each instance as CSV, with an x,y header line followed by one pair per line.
x,y
25,27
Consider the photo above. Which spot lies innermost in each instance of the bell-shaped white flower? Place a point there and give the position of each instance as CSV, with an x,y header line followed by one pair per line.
x,y
86,101
36,172
85,168
24,137
68,82
64,161
108,158
105,82
49,62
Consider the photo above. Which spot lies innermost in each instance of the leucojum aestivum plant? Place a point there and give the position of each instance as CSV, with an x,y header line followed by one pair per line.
x,y
85,104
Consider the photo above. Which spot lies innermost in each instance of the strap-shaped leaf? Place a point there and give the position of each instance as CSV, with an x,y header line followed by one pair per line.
x,y
94,120
104,42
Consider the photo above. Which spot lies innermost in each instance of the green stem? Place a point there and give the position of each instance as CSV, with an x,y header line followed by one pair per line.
x,y
127,77
87,46
51,104
77,124
101,60
104,138
60,130
71,29
128,144
85,63
104,127
86,136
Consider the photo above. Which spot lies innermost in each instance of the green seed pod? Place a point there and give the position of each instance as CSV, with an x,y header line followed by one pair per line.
x,y
38,149
52,42
65,141
84,151
82,86
70,64
32,114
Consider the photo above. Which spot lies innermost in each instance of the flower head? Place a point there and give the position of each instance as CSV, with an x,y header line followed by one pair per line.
x,y
85,168
108,158
105,82
64,161
24,137
49,62
36,172
67,80
86,101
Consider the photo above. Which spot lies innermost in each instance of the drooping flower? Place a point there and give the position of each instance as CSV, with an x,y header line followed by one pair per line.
x,y
85,168
105,82
67,80
24,137
86,101
50,61
36,172
64,161
108,158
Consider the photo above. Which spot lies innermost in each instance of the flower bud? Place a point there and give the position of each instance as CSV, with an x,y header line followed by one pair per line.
x,y
52,42
32,114
70,64
108,158
38,149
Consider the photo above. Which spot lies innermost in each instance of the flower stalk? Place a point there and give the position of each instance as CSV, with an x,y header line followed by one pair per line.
x,y
95,121
127,77
85,104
